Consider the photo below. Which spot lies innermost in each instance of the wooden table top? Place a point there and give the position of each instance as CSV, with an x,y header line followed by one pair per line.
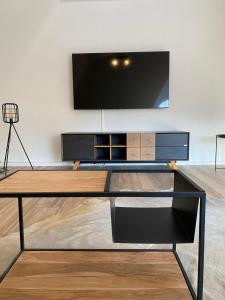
x,y
54,182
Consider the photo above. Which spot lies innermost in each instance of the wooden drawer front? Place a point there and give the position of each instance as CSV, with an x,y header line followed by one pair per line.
x,y
171,153
77,147
172,139
148,153
133,139
133,153
148,139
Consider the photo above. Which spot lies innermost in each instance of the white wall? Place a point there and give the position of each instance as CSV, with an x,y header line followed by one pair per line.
x,y
37,39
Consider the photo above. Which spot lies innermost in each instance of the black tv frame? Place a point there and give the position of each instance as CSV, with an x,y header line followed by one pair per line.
x,y
121,54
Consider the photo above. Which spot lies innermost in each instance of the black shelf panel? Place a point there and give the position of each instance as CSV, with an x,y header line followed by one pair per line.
x,y
148,225
119,139
102,139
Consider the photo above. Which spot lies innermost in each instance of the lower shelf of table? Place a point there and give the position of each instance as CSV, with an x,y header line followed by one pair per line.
x,y
149,225
58,275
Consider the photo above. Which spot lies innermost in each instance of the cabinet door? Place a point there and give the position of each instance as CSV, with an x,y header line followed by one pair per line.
x,y
148,153
147,139
133,139
77,147
133,153
172,139
171,153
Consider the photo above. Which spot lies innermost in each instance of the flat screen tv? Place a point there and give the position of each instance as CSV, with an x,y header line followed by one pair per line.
x,y
121,80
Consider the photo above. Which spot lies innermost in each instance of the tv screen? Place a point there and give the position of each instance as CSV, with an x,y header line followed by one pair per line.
x,y
121,80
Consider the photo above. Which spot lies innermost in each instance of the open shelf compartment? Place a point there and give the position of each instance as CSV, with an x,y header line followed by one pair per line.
x,y
149,225
119,153
102,153
158,225
102,140
118,139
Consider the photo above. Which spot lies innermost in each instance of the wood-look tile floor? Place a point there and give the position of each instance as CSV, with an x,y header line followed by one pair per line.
x,y
85,223
67,275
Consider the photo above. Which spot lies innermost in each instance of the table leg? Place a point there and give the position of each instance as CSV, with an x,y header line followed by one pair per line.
x,y
216,153
201,247
21,224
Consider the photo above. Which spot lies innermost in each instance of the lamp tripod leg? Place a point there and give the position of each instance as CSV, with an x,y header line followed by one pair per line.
x,y
22,146
7,150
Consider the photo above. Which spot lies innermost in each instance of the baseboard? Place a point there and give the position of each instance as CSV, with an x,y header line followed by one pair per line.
x,y
41,164
66,164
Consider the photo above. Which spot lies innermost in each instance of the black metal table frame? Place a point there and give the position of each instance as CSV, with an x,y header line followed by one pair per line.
x,y
107,193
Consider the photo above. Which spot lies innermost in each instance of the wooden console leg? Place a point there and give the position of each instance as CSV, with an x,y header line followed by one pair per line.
x,y
173,164
76,165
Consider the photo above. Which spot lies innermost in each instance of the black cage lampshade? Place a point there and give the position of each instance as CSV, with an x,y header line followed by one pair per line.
x,y
10,113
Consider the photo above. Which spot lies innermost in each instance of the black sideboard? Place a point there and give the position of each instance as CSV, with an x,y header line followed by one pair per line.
x,y
125,146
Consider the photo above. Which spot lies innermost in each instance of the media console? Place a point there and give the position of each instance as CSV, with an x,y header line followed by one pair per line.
x,y
125,146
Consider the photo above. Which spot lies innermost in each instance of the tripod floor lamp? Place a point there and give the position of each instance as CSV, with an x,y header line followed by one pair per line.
x,y
10,115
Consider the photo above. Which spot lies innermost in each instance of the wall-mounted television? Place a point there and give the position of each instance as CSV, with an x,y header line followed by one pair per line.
x,y
121,80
